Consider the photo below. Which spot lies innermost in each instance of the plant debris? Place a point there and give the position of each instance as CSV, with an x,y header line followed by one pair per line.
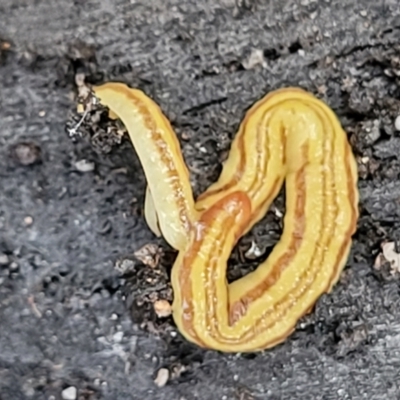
x,y
149,254
91,120
391,254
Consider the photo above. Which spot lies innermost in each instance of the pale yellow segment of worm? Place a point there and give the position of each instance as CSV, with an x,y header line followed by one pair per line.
x,y
289,135
150,213
160,155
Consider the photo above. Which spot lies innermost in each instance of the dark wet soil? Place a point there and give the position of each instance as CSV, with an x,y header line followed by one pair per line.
x,y
77,299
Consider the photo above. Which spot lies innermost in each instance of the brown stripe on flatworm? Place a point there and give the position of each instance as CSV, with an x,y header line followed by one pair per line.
x,y
166,157
185,281
354,213
249,335
306,272
302,291
293,300
295,242
243,127
272,278
243,157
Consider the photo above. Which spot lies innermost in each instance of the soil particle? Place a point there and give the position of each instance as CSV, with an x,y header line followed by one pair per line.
x,y
26,153
69,319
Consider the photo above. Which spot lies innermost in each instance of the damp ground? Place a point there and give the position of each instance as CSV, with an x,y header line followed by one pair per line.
x,y
80,272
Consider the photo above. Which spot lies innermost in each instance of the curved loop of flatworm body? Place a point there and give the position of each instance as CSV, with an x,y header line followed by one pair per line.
x,y
288,136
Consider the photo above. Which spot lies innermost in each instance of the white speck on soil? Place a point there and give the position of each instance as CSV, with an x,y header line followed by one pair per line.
x,y
84,166
117,337
162,377
397,123
69,393
4,260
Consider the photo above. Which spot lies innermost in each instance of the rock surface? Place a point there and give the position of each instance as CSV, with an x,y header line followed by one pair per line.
x,y
68,317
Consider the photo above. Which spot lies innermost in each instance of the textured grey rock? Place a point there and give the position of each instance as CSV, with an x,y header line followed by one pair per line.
x,y
56,309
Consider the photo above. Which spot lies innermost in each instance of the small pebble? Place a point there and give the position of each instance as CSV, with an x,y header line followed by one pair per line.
x,y
84,165
4,259
26,153
117,337
80,79
29,391
162,308
365,160
5,46
254,251
185,136
341,392
13,267
28,220
306,2
278,212
69,393
256,58
162,377
397,123
373,132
